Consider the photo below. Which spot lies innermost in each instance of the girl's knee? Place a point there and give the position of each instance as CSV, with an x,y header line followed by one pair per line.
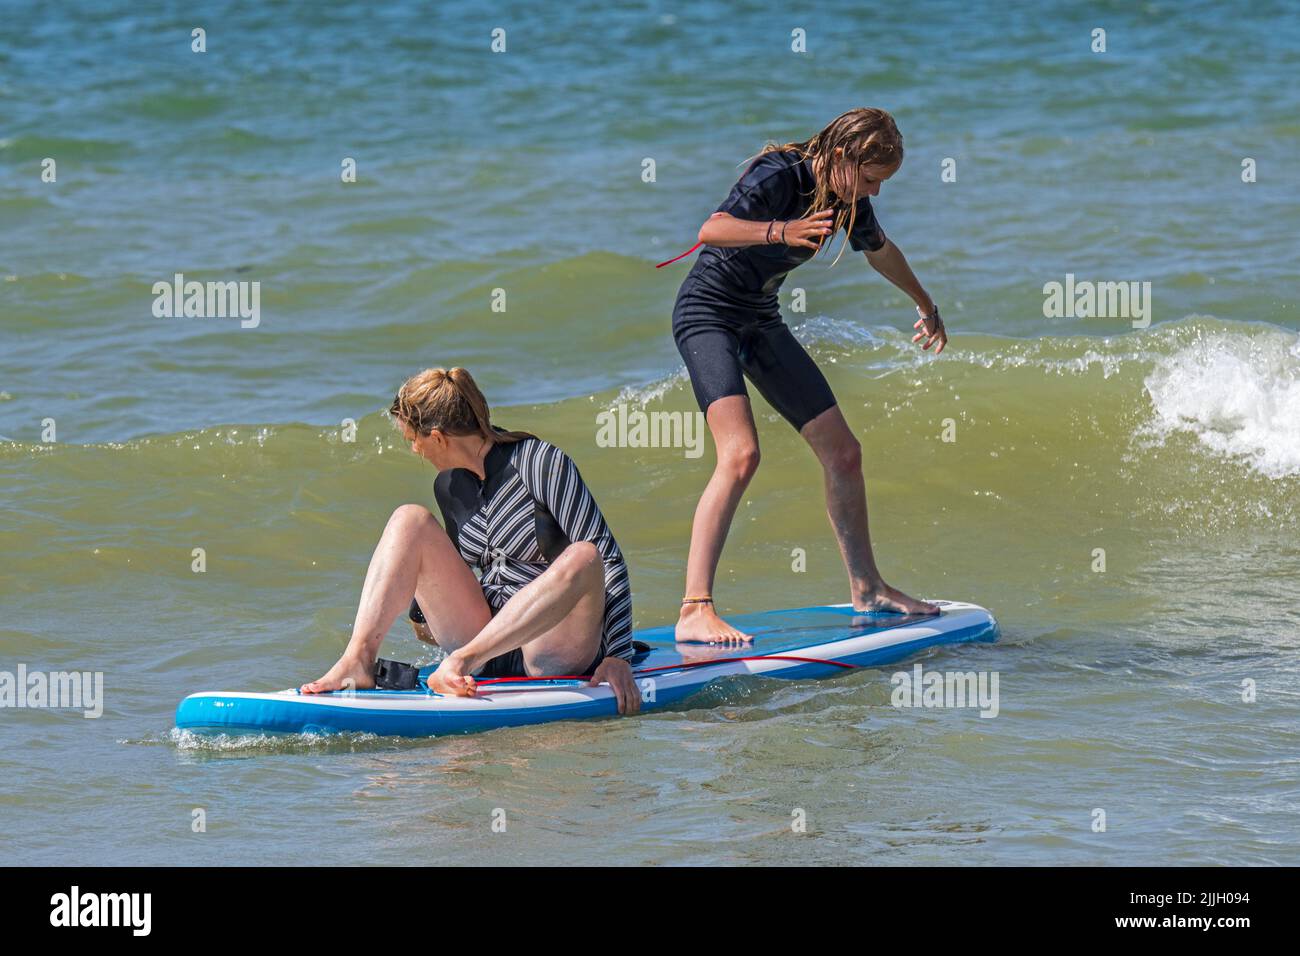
x,y
845,457
739,462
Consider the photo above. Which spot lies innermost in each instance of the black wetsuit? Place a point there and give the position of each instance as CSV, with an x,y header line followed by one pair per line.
x,y
531,504
727,320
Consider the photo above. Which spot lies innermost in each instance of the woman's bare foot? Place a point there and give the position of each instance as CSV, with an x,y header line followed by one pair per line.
x,y
349,673
885,598
700,624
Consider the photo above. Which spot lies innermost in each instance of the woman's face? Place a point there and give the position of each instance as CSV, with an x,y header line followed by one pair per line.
x,y
431,447
848,181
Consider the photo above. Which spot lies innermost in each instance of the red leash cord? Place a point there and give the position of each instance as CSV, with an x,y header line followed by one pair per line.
x,y
682,256
752,164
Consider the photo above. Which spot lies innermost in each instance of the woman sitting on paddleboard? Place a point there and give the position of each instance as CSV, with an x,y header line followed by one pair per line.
x,y
727,325
551,594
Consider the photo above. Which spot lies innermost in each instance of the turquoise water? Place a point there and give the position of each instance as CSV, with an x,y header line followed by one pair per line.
x,y
1175,448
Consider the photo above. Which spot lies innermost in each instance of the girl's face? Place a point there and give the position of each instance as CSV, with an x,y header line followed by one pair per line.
x,y
849,181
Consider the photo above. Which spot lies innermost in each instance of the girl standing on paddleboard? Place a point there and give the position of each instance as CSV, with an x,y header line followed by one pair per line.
x,y
727,325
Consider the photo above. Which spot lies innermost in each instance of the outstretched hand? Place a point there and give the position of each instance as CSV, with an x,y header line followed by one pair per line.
x,y
931,330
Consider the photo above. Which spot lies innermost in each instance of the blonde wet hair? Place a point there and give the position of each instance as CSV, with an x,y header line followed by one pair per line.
x,y
449,401
867,137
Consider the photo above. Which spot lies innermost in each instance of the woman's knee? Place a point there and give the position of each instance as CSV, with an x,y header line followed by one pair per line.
x,y
581,560
412,518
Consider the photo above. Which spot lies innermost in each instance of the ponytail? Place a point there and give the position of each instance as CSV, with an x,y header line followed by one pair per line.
x,y
449,401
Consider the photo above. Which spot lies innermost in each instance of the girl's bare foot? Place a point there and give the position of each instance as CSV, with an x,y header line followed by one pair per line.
x,y
885,598
349,673
700,624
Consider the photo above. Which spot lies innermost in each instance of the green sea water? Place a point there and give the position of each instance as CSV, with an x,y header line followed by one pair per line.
x,y
1009,471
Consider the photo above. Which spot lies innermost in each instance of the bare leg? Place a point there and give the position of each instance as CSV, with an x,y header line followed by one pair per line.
x,y
846,504
414,557
736,439
556,618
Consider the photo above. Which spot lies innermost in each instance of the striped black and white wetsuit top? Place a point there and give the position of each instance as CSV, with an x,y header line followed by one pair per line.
x,y
509,527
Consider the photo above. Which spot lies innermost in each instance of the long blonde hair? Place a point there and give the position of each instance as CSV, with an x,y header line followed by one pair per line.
x,y
868,137
450,401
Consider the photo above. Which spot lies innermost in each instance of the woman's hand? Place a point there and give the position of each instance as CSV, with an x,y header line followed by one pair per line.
x,y
808,232
932,329
618,674
450,678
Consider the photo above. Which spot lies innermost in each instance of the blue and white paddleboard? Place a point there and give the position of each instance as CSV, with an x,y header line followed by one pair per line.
x,y
802,643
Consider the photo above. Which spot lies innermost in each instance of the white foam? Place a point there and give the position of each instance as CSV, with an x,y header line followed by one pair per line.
x,y
640,396
1239,395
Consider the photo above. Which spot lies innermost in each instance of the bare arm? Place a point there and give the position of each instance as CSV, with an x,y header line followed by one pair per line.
x,y
725,231
889,261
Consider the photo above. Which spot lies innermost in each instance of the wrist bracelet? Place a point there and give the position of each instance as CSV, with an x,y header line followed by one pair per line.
x,y
768,237
783,225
